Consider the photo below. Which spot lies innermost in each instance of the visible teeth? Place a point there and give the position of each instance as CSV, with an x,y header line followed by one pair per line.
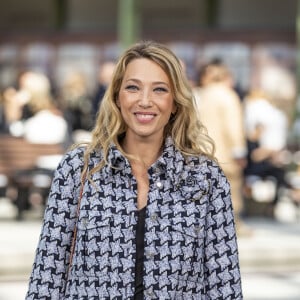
x,y
144,117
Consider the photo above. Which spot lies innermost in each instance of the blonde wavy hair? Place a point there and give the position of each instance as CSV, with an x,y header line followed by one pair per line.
x,y
189,135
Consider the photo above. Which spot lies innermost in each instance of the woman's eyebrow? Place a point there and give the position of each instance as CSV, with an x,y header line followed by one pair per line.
x,y
161,82
136,80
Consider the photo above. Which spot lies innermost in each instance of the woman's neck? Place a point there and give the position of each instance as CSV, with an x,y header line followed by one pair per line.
x,y
146,152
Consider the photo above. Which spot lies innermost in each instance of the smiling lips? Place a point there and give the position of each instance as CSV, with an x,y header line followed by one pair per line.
x,y
144,117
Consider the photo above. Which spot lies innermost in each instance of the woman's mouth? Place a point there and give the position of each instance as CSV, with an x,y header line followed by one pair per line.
x,y
145,118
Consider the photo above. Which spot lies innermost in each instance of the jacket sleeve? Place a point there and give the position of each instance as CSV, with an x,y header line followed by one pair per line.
x,y
222,278
47,280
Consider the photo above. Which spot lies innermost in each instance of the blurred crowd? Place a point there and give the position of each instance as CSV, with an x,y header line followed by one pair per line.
x,y
39,112
252,132
251,129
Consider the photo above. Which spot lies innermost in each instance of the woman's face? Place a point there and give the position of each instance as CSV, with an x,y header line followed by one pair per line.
x,y
145,99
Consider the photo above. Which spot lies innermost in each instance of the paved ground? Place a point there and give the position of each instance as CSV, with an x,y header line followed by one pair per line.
x,y
270,261
270,257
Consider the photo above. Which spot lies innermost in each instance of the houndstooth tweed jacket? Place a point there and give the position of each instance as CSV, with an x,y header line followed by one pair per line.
x,y
190,242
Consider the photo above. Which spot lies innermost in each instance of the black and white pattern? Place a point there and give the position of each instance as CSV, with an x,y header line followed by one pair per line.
x,y
190,243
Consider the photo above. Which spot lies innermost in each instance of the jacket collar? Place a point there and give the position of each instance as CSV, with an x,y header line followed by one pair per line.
x,y
171,160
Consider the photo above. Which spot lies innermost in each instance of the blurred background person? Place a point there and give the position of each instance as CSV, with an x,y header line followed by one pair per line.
x,y
43,121
31,113
12,105
267,133
77,104
3,128
104,77
9,109
220,110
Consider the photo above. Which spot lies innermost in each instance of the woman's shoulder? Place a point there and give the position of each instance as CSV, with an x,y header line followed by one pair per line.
x,y
204,164
75,155
202,160
73,158
75,152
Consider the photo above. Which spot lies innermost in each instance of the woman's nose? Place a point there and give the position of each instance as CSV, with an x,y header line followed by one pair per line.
x,y
145,99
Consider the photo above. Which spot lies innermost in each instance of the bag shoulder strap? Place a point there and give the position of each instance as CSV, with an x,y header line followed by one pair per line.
x,y
75,228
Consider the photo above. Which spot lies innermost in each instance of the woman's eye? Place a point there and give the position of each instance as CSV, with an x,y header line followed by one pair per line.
x,y
132,87
160,89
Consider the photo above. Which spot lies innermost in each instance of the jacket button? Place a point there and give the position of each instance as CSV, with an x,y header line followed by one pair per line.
x,y
197,230
159,185
157,170
150,255
149,294
85,222
153,217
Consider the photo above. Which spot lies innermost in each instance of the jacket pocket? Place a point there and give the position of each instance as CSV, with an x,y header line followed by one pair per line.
x,y
179,251
90,219
183,288
93,243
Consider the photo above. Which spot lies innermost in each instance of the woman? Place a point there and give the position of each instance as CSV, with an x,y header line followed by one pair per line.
x,y
221,112
155,219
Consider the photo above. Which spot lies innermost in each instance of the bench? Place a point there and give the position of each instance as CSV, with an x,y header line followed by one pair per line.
x,y
22,163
